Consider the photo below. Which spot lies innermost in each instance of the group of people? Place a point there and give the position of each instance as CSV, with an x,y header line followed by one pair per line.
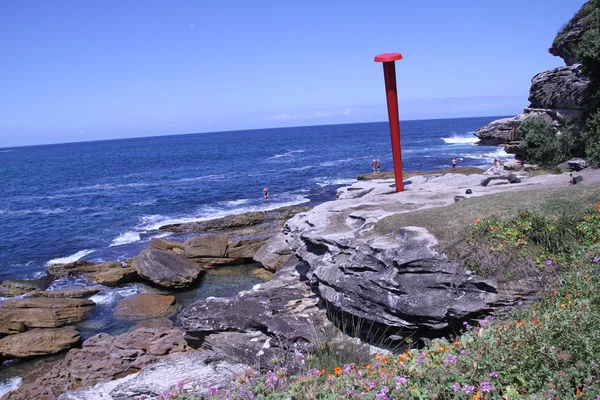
x,y
376,165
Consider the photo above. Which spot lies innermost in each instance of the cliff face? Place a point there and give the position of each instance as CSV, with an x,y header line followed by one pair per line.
x,y
555,95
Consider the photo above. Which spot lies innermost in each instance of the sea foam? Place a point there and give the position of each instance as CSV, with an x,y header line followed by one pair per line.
x,y
69,259
10,385
125,238
456,139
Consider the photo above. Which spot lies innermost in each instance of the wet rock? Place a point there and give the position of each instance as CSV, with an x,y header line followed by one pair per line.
x,y
75,292
213,246
38,342
45,312
146,305
191,373
166,268
57,271
103,358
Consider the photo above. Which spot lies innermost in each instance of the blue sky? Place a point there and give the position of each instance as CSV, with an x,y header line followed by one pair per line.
x,y
89,70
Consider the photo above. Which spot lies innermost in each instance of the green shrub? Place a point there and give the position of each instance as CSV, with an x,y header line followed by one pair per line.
x,y
592,140
539,142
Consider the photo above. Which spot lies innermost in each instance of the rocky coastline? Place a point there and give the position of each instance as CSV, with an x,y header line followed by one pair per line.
x,y
331,269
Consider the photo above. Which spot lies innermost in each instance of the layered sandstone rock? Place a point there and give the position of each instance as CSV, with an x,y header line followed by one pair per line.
x,y
146,305
38,342
103,358
45,312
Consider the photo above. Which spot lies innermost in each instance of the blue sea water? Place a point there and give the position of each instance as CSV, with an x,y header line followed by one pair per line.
x,y
105,200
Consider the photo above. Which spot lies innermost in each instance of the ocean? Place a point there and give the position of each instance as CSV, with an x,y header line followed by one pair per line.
x,y
105,200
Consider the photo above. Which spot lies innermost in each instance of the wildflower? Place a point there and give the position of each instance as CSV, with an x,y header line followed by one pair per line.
x,y
371,385
271,380
400,380
166,395
450,358
456,387
596,259
465,323
349,391
299,355
463,351
330,379
337,370
312,372
385,359
494,374
347,368
213,390
468,389
548,262
377,357
520,303
485,387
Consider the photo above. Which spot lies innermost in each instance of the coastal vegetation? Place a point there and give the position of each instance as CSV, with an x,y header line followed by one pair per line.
x,y
549,349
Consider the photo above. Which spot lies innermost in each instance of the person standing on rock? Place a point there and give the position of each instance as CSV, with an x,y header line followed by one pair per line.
x,y
374,165
453,162
266,192
378,165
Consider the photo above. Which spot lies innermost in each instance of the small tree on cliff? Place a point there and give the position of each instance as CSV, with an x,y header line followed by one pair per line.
x,y
539,143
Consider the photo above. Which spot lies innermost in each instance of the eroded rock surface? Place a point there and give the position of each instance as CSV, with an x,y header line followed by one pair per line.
x,y
146,305
196,372
561,88
104,358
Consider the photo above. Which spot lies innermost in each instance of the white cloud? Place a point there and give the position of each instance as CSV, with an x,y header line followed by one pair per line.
x,y
322,114
347,111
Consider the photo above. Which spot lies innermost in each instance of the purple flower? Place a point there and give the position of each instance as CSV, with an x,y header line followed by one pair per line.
x,y
596,259
548,262
330,379
592,363
271,380
456,387
450,358
468,389
349,391
465,323
371,385
494,374
400,380
299,355
463,351
347,368
482,322
312,372
213,390
520,303
485,387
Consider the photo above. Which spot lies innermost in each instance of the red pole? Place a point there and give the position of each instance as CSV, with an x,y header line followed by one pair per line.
x,y
389,73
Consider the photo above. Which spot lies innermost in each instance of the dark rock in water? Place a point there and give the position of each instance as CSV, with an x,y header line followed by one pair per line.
x,y
110,273
45,312
236,221
166,268
146,305
206,246
114,276
38,342
18,287
510,178
75,292
563,87
194,372
103,358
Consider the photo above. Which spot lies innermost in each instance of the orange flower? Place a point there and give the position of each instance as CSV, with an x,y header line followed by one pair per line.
x,y
476,219
519,323
321,372
563,305
477,395
368,366
382,371
337,370
371,373
377,357
385,359
457,343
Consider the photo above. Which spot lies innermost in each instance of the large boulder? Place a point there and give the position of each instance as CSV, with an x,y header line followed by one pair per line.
x,y
38,342
563,87
57,271
206,246
245,248
166,268
45,312
146,305
195,373
114,276
274,253
103,358
167,245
